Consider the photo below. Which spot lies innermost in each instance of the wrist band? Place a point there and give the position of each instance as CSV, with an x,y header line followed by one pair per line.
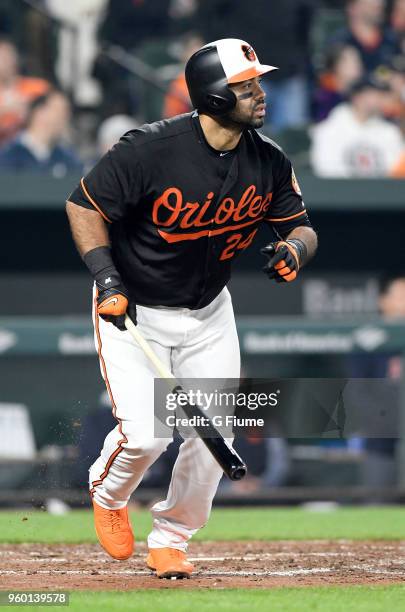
x,y
101,267
300,247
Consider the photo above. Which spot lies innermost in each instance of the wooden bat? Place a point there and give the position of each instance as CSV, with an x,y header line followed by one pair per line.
x,y
229,460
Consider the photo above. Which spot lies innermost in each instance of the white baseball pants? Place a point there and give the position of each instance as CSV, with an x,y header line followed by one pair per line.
x,y
192,344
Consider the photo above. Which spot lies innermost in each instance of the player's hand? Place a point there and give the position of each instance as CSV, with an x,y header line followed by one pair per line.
x,y
113,304
284,260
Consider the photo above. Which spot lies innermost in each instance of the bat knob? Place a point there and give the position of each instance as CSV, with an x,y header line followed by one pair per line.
x,y
238,472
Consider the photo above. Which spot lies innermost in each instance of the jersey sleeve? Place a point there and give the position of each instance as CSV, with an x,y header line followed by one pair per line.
x,y
113,185
287,209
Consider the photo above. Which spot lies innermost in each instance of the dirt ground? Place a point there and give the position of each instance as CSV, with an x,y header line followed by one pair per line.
x,y
218,565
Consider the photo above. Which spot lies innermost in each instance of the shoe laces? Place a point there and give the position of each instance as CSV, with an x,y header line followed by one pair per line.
x,y
115,520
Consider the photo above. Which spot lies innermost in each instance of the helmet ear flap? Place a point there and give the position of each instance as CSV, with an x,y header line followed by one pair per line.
x,y
207,82
218,104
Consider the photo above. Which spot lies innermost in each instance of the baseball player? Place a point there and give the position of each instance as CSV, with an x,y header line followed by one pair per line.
x,y
158,222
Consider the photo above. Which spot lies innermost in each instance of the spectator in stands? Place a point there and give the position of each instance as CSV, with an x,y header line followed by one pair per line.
x,y
392,308
394,102
140,27
108,134
16,91
355,140
398,22
76,47
343,66
398,169
365,30
39,147
32,33
177,100
111,130
278,30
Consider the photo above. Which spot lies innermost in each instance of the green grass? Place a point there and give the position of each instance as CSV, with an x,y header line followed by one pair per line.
x,y
230,524
335,599
225,524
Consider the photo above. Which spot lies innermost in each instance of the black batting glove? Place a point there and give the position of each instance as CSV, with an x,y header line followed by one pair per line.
x,y
113,301
112,297
285,259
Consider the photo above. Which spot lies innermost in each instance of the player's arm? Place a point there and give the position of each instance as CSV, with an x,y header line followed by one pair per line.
x,y
287,257
289,219
104,197
88,228
90,236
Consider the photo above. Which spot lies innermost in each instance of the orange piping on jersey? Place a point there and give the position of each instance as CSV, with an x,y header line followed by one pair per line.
x,y
286,218
124,439
195,235
88,196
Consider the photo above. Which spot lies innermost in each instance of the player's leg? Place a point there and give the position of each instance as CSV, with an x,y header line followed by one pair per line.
x,y
130,448
211,351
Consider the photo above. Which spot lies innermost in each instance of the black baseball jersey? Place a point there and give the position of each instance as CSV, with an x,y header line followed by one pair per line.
x,y
179,212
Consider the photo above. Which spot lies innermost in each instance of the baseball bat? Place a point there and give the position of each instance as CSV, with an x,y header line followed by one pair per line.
x,y
229,460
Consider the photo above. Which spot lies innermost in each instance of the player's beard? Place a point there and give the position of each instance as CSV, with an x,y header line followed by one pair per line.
x,y
242,119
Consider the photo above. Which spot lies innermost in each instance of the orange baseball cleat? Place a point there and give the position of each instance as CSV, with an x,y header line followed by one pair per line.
x,y
114,531
169,563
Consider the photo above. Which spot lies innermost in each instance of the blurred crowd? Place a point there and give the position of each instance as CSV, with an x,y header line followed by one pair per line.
x,y
75,76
